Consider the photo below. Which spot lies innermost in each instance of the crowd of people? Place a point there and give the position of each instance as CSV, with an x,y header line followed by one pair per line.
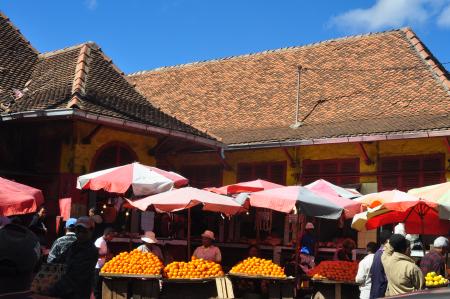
x,y
390,270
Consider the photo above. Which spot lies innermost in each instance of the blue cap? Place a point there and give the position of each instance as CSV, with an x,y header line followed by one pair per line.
x,y
305,250
71,222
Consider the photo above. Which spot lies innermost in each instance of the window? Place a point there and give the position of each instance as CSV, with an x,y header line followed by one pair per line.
x,y
112,155
203,176
407,172
339,171
274,172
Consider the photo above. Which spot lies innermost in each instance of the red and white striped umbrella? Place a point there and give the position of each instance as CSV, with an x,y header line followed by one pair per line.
x,y
142,179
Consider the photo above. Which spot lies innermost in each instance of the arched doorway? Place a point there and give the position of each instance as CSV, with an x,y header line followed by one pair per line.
x,y
111,155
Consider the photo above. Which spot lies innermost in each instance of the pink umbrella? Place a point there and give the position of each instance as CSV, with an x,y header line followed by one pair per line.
x,y
186,198
143,180
251,186
17,199
393,200
329,188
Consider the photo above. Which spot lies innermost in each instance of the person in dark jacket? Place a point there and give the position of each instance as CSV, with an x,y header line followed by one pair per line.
x,y
379,280
38,227
61,245
80,261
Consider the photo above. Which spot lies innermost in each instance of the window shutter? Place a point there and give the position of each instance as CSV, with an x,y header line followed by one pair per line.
x,y
273,171
434,168
410,173
261,171
203,176
311,171
349,167
278,173
244,173
389,181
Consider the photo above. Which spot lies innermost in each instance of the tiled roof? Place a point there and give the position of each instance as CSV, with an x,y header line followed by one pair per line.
x,y
78,77
370,84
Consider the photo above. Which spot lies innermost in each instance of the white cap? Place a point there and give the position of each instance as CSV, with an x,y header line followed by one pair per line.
x,y
309,225
400,229
441,242
149,237
208,234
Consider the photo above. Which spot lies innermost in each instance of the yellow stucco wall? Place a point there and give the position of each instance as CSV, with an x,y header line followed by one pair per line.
x,y
76,157
319,152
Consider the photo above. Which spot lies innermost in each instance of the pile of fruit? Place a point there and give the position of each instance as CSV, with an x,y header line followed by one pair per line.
x,y
134,262
335,270
434,280
195,269
258,267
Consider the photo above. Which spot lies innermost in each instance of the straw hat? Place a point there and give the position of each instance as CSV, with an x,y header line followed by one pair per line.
x,y
149,237
208,234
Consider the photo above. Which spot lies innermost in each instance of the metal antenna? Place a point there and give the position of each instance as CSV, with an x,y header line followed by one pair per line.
x,y
297,123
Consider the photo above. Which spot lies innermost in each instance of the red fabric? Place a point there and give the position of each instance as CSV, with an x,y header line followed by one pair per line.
x,y
18,199
116,181
431,224
280,199
251,186
64,207
178,180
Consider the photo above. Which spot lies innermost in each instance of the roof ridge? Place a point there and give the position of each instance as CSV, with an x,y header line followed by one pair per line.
x,y
27,42
66,49
81,72
347,37
439,72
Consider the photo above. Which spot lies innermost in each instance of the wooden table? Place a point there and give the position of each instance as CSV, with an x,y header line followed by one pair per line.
x,y
337,289
278,287
125,286
189,288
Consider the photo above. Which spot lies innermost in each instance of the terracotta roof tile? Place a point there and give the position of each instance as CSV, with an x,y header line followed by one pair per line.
x,y
368,84
79,77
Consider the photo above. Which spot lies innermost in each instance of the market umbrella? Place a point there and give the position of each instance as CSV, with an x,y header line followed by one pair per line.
x,y
310,202
186,198
143,180
439,193
18,199
329,188
247,187
389,207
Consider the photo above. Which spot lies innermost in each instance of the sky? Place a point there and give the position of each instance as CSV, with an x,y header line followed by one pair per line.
x,y
143,35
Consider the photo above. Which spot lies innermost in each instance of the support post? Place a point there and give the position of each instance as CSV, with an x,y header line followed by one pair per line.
x,y
189,235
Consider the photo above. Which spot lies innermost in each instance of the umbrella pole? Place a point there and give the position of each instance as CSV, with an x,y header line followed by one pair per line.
x,y
189,235
297,244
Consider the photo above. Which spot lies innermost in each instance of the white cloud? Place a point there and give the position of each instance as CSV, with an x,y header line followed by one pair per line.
x,y
391,13
91,4
444,18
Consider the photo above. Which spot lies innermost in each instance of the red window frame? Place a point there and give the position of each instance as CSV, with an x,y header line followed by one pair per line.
x,y
203,176
336,171
262,170
120,146
407,172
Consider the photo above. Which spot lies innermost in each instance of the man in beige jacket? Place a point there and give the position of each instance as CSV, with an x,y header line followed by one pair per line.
x,y
402,273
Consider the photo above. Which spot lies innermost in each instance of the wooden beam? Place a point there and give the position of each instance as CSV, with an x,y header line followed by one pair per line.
x,y
289,156
154,150
447,143
87,139
363,152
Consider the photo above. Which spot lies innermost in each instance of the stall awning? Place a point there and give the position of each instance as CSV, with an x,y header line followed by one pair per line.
x,y
18,199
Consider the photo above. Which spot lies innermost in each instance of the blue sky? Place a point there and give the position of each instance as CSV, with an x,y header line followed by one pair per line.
x,y
140,35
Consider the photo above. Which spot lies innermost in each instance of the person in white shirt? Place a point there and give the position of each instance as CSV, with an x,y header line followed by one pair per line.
x,y
149,245
103,252
363,276
208,251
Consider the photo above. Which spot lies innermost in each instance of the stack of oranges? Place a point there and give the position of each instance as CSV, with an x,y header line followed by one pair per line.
x,y
134,262
335,270
258,267
195,269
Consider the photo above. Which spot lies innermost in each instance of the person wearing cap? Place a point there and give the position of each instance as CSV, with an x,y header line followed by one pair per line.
x,y
402,274
363,277
61,245
308,240
434,260
19,256
208,251
80,263
149,245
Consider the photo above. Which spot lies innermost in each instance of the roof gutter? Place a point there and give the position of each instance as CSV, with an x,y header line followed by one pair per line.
x,y
362,138
111,121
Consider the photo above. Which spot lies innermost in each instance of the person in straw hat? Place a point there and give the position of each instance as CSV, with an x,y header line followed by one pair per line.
x,y
149,245
208,251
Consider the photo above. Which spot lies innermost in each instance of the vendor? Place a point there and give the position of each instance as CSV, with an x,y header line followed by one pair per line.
x,y
149,245
253,251
308,240
434,260
345,252
208,251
